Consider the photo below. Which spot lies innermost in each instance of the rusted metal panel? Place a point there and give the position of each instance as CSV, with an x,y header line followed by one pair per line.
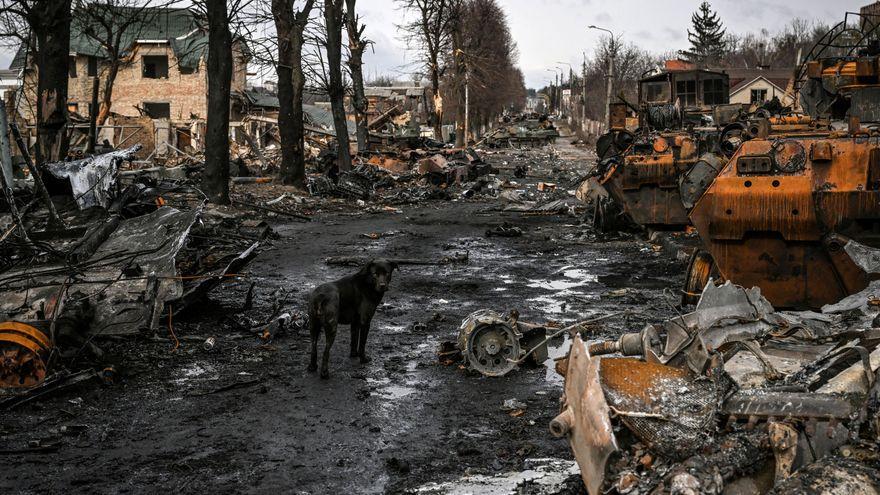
x,y
585,417
773,229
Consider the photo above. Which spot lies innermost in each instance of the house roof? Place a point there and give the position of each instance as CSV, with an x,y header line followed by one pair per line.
x,y
740,78
747,84
261,98
180,27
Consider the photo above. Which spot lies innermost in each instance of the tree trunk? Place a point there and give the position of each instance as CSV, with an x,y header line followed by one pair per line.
x,y
107,97
460,67
438,102
336,88
50,22
297,123
215,178
289,27
356,47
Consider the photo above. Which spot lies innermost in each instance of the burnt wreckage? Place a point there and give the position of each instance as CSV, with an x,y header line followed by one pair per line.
x,y
738,396
641,170
104,256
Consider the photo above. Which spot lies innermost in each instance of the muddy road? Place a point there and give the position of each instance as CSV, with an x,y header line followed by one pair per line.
x,y
248,417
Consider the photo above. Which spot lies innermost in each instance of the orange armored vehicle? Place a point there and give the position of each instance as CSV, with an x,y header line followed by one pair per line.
x,y
795,211
641,171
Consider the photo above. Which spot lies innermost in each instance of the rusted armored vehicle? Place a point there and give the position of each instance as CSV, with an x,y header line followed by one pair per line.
x,y
525,131
792,211
641,170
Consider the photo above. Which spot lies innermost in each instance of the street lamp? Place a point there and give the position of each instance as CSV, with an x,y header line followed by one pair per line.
x,y
559,91
610,76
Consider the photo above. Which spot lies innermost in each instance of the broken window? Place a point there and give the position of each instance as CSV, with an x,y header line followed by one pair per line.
x,y
686,92
714,92
71,67
93,67
155,66
656,92
156,110
759,95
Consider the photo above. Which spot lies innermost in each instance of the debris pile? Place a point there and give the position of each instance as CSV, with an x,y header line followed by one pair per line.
x,y
718,392
117,257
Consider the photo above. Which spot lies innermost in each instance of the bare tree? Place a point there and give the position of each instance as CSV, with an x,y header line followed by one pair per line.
x,y
356,46
215,178
114,25
48,39
333,20
429,33
290,26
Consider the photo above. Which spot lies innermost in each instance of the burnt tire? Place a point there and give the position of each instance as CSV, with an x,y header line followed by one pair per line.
x,y
700,268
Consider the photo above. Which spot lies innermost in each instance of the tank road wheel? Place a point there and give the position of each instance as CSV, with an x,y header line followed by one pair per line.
x,y
489,343
700,267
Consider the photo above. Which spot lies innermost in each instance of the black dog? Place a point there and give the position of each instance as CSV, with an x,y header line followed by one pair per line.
x,y
351,300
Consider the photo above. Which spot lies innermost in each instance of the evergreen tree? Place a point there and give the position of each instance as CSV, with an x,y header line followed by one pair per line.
x,y
707,38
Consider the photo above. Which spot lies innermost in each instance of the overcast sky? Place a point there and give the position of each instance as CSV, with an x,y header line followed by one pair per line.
x,y
552,31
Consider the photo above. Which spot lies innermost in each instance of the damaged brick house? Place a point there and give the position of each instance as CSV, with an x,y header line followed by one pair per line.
x,y
161,84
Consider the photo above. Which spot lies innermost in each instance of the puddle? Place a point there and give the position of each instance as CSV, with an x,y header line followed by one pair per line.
x,y
556,349
546,304
389,391
542,476
553,284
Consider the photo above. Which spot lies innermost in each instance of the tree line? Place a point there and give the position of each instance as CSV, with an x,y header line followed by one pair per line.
x,y
468,55
460,43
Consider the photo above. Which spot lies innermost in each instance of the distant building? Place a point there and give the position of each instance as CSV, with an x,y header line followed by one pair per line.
x,y
536,104
10,80
398,99
750,86
165,78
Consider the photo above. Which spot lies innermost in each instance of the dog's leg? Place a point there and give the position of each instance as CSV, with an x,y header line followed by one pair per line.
x,y
355,336
362,341
315,331
329,336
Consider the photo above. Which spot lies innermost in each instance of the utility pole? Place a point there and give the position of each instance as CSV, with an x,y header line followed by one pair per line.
x,y
610,76
553,91
557,93
610,86
570,86
584,91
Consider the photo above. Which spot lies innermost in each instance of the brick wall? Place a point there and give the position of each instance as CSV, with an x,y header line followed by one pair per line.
x,y
185,93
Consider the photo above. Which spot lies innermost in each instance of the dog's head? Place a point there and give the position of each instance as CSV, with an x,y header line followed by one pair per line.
x,y
378,274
